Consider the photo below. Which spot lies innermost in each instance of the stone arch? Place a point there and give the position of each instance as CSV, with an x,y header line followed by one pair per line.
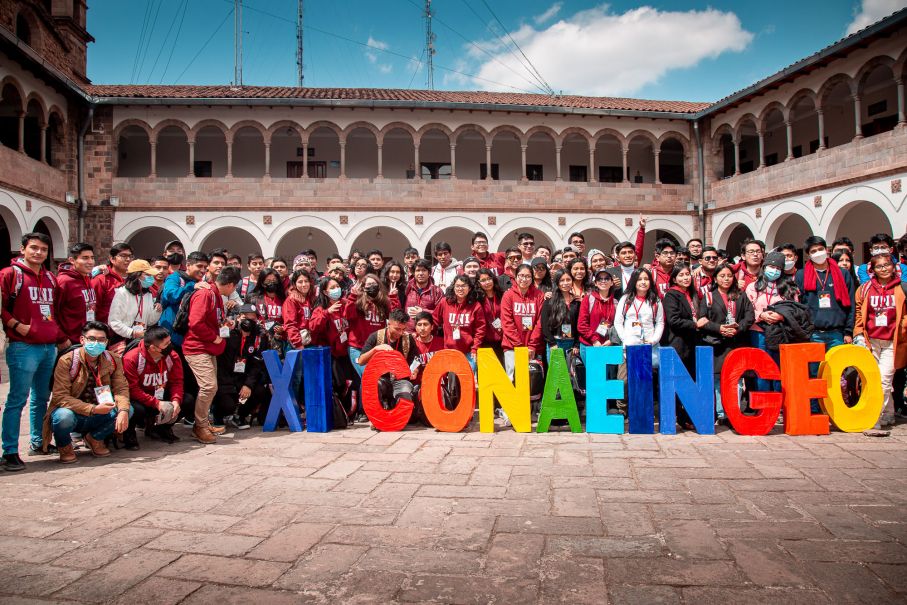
x,y
387,128
575,144
55,144
862,216
388,223
311,235
506,151
300,222
398,151
208,227
120,127
133,149
55,110
463,128
361,150
32,29
434,154
609,132
672,160
39,100
603,224
134,226
836,208
639,132
253,124
781,216
311,128
767,110
722,231
281,124
171,149
747,118
11,214
450,222
434,126
236,239
150,241
519,134
724,129
167,123
680,138
198,126
35,120
248,141
59,234
11,81
541,129
503,236
641,161
361,124
581,132
471,143
803,93
830,84
869,66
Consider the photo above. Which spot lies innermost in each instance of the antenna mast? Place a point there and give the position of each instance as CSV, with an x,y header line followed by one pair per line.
x,y
237,42
429,47
300,77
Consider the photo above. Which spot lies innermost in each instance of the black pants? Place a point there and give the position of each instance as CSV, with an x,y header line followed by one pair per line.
x,y
897,389
226,403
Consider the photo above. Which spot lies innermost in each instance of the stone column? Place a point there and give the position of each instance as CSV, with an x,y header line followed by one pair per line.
x,y
657,154
305,159
902,114
21,116
488,163
229,158
821,114
191,172
761,134
417,168
592,175
267,159
523,176
857,118
153,160
624,151
43,152
343,159
453,160
380,161
789,127
736,156
557,162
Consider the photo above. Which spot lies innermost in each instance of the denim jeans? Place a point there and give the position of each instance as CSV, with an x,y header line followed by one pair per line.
x,y
757,340
64,421
354,358
31,368
831,338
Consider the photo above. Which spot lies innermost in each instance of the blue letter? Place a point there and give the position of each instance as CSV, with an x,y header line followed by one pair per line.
x,y
698,398
600,390
284,397
318,385
641,409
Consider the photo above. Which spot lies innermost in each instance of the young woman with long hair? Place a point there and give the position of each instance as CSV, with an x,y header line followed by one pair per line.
x,y
297,309
268,296
461,318
579,271
521,311
560,315
132,308
596,314
490,294
330,328
394,278
367,313
681,307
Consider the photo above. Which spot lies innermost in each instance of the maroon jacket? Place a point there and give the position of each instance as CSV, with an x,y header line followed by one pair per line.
x,y
144,375
74,299
361,326
327,328
34,304
515,306
427,298
592,315
494,261
492,309
206,314
104,285
468,318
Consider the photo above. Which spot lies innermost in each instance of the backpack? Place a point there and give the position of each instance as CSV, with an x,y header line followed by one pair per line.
x,y
577,370
20,279
181,318
380,335
536,382
341,419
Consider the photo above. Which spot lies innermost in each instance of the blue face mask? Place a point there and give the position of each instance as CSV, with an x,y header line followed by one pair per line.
x,y
95,348
147,281
772,273
334,293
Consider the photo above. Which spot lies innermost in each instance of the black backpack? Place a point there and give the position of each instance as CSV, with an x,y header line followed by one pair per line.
x,y
181,319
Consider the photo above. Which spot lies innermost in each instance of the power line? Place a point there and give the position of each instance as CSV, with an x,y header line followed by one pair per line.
x,y
205,45
534,70
149,38
179,28
416,71
166,37
138,50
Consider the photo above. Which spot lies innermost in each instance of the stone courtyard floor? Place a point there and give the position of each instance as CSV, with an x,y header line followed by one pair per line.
x,y
362,517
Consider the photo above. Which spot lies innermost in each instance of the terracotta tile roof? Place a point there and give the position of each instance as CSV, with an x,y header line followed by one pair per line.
x,y
389,94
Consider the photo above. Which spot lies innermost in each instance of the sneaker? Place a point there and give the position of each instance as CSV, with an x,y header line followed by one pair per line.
x,y
130,440
504,417
13,463
166,433
38,450
886,420
877,431
241,423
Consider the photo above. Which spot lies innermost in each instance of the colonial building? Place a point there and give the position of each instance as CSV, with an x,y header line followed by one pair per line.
x,y
815,148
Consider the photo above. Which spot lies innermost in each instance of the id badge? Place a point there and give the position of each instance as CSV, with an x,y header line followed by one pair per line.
x,y
159,393
637,329
825,301
89,315
45,312
414,365
455,334
103,394
881,321
269,325
239,367
224,332
496,324
602,330
566,331
527,322
343,337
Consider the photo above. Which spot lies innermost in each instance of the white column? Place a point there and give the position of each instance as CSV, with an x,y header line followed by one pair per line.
x,y
21,115
821,114
624,151
592,175
557,161
453,160
657,154
380,161
230,158
736,156
153,159
789,128
857,118
761,134
268,160
488,162
305,159
191,172
43,156
902,114
416,166
523,176
343,159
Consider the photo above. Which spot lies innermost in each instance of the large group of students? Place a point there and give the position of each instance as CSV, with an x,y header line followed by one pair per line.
x,y
110,346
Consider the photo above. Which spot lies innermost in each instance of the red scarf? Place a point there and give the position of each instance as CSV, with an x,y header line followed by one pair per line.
x,y
810,279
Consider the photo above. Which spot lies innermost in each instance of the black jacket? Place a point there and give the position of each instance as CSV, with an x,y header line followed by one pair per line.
x,y
680,328
796,327
713,307
616,274
550,332
255,372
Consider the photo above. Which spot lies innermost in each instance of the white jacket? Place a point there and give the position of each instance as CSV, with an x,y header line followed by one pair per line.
x,y
651,320
124,311
444,277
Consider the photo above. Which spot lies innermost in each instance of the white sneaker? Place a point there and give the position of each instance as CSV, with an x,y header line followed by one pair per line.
x,y
504,417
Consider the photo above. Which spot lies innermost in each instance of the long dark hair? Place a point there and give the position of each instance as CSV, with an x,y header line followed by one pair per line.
x,y
853,273
691,290
381,302
480,292
471,296
259,289
560,311
133,283
651,295
579,261
401,283
295,276
734,291
545,285
323,300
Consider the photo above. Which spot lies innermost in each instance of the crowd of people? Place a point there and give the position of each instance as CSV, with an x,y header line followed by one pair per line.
x,y
110,346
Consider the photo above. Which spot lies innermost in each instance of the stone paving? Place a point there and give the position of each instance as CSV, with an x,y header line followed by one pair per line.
x,y
357,516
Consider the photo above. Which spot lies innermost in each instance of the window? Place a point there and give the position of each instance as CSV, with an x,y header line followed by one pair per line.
x,y
610,174
483,172
578,174
798,151
534,172
202,168
23,31
435,170
814,145
317,170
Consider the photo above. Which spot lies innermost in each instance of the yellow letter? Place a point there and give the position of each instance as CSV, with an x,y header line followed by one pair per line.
x,y
493,382
865,412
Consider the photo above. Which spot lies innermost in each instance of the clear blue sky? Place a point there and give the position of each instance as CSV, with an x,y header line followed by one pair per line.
x,y
690,50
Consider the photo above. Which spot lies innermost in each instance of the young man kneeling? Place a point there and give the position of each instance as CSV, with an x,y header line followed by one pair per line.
x,y
90,395
154,372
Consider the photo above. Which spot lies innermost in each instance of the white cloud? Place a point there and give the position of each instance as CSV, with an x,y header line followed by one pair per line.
x,y
872,11
548,14
372,56
603,53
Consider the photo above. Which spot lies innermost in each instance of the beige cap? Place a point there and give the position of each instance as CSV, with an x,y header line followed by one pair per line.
x,y
143,266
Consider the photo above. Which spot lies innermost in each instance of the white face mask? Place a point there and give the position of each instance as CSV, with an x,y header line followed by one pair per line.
x,y
789,264
819,257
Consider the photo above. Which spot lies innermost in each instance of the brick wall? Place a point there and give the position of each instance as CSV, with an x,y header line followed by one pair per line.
x,y
99,150
22,173
61,41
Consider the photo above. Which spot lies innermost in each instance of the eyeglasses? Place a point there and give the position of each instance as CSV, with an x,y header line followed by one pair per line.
x,y
885,266
460,286
527,244
709,258
513,258
754,252
96,339
523,276
125,256
668,253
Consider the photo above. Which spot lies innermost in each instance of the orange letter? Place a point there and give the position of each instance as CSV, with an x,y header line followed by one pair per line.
x,y
799,388
385,362
455,420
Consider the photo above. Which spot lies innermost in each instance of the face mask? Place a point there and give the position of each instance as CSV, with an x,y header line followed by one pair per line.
x,y
147,281
772,273
789,264
270,287
246,325
334,293
167,350
819,257
371,290
94,348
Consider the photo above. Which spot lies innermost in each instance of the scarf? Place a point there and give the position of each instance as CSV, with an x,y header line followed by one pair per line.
x,y
810,279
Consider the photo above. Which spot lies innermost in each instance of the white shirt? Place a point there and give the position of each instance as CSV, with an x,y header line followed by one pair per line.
x,y
652,321
124,311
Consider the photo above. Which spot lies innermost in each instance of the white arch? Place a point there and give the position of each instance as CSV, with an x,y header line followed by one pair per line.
x,y
503,231
14,219
360,227
834,212
726,224
58,234
302,221
126,231
602,223
774,218
678,230
220,222
448,222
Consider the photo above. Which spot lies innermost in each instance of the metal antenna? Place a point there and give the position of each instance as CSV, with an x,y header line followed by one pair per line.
x,y
237,42
300,76
429,47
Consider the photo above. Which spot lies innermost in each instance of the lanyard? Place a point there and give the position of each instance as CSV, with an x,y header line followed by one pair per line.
x,y
140,303
242,348
769,293
824,281
96,374
636,309
731,305
690,302
882,296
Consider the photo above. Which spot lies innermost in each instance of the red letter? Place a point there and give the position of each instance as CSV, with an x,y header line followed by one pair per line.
x,y
384,362
455,420
799,388
768,405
